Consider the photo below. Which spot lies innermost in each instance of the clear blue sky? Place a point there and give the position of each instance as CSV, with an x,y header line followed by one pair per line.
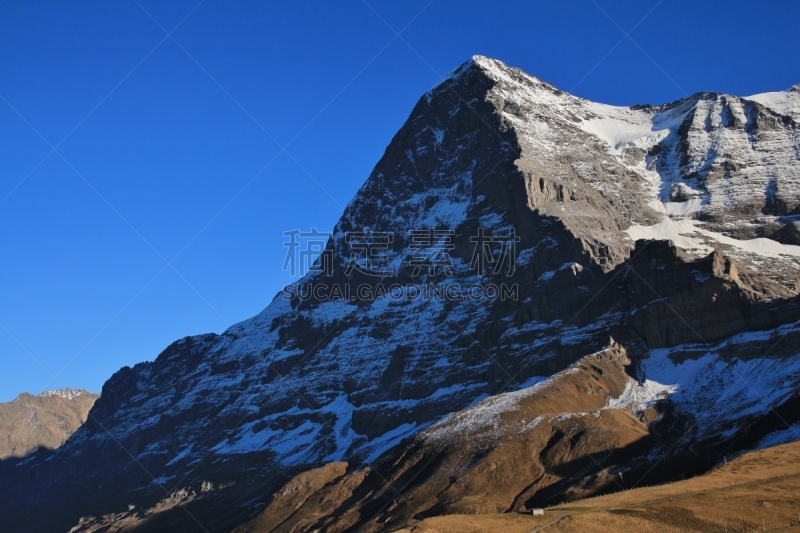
x,y
172,149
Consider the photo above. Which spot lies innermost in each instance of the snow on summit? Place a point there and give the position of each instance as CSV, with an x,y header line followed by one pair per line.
x,y
782,102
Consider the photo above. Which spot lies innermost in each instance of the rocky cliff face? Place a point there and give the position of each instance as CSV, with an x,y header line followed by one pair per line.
x,y
45,421
670,228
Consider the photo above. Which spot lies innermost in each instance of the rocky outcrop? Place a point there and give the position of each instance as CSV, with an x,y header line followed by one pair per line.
x,y
672,297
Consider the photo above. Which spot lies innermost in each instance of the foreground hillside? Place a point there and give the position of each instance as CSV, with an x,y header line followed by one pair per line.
x,y
588,430
45,421
758,491
672,229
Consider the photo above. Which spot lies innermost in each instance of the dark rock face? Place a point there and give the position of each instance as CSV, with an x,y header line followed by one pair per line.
x,y
223,421
673,297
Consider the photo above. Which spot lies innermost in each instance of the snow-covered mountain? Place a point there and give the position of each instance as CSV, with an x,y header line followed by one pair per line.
x,y
585,194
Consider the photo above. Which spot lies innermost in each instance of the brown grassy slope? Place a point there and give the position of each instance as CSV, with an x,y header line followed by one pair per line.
x,y
292,496
754,492
505,523
29,422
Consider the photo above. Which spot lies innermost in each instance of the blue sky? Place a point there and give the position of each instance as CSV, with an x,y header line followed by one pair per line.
x,y
161,211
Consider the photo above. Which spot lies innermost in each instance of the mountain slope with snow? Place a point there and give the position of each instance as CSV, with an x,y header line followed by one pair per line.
x,y
586,193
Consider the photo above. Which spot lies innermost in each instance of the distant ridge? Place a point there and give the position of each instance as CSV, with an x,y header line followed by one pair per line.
x,y
44,421
66,392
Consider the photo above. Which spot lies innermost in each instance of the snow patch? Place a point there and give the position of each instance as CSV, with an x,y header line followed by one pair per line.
x,y
722,395
67,393
576,268
622,127
486,414
782,102
186,451
782,436
638,398
344,434
679,231
669,230
677,208
389,440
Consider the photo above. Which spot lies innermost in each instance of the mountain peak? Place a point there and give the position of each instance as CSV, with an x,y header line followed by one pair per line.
x,y
66,392
491,69
486,62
